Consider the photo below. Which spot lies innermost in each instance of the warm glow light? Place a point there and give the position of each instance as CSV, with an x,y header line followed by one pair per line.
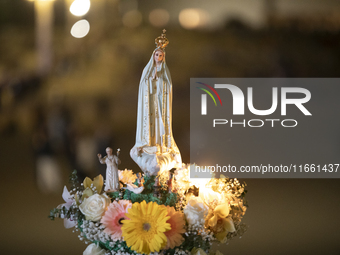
x,y
159,17
193,18
132,19
80,7
80,29
208,195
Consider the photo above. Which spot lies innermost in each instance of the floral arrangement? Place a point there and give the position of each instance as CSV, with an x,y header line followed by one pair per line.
x,y
164,214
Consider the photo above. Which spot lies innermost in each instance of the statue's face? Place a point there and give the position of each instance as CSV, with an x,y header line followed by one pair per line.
x,y
109,152
158,56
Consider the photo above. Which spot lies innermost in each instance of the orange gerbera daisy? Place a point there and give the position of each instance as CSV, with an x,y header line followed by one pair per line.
x,y
177,223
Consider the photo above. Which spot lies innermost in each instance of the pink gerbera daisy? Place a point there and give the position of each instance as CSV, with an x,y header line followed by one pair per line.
x,y
174,235
112,219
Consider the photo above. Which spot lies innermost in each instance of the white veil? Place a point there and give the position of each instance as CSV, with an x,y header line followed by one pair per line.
x,y
143,114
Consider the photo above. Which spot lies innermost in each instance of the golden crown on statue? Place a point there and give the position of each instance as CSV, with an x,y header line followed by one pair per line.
x,y
161,41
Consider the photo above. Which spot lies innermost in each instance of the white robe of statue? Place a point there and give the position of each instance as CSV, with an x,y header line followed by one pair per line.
x,y
154,118
112,178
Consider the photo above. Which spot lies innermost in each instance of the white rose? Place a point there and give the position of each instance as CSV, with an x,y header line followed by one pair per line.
x,y
94,206
94,249
195,211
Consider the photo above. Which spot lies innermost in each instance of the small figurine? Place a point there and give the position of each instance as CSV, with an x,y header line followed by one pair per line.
x,y
171,176
112,162
134,188
156,187
139,179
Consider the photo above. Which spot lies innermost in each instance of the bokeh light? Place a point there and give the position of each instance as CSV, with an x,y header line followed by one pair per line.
x,y
132,19
80,29
159,17
80,7
193,18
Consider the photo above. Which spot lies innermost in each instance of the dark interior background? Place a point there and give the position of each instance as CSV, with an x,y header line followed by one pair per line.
x,y
57,117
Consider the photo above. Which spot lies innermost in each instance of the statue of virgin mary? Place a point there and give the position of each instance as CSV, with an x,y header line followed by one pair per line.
x,y
155,148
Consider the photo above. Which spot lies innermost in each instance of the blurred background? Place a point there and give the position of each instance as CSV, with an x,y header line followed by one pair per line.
x,y
69,76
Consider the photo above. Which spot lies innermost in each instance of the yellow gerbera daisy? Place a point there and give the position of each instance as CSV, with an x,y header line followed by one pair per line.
x,y
144,232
